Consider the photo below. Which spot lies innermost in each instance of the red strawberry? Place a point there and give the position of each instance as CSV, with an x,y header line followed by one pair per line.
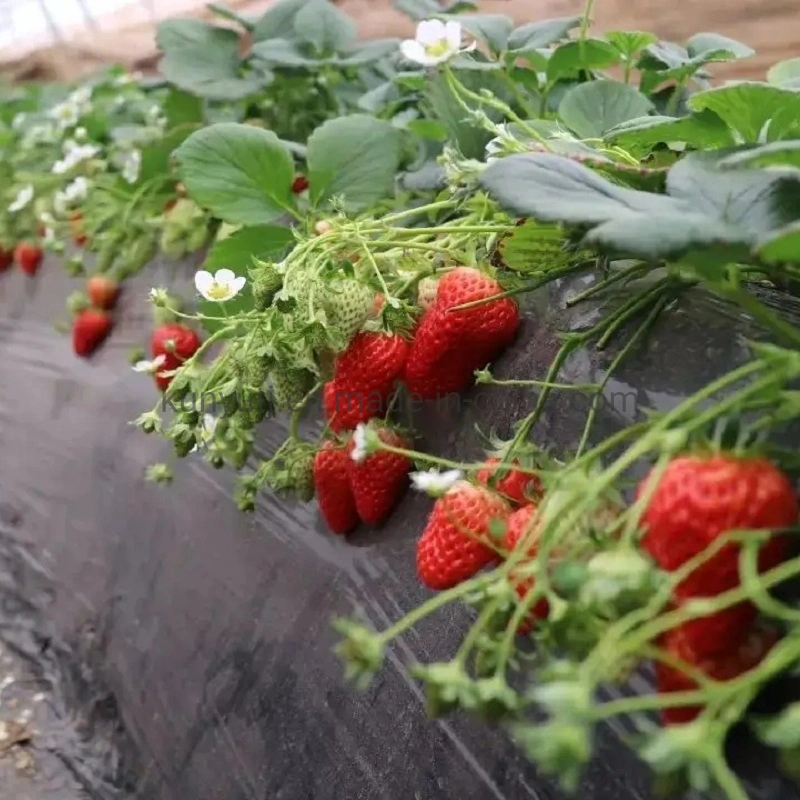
x,y
520,524
722,667
76,225
455,543
103,291
379,481
450,345
699,498
332,488
89,330
364,379
6,259
519,487
176,343
28,256
299,184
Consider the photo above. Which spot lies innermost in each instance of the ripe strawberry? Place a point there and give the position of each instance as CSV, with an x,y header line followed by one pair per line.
x,y
450,345
28,256
299,184
722,667
364,379
103,291
701,497
455,543
89,330
379,481
518,487
6,258
332,488
76,226
176,343
521,525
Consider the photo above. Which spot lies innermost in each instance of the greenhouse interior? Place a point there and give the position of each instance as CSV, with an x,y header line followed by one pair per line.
x,y
399,400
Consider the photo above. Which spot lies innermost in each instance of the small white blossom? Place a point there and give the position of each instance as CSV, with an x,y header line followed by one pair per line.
x,y
74,154
77,190
158,296
206,432
81,134
24,196
131,166
150,367
434,43
66,114
81,98
219,287
19,121
435,483
359,451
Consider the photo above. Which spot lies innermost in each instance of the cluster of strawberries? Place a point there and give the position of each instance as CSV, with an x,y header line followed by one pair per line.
x,y
697,500
27,256
92,323
449,344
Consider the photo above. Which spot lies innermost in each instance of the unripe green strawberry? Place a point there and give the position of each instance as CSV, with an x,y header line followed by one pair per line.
x,y
265,282
348,304
426,292
77,302
108,251
184,444
252,408
291,471
290,386
197,236
256,372
299,284
140,253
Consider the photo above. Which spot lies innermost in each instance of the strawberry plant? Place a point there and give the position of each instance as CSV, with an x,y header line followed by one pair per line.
x,y
379,223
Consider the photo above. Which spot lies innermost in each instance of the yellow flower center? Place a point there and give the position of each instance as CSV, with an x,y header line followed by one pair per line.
x,y
439,48
218,291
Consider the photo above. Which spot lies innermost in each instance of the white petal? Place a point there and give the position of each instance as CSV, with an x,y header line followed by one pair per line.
x,y
238,284
414,51
158,361
452,32
430,31
143,366
225,277
203,282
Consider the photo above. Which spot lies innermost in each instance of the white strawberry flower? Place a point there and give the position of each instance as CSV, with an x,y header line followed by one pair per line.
x,y
158,296
77,190
434,43
131,166
435,483
206,432
66,114
221,286
24,196
150,367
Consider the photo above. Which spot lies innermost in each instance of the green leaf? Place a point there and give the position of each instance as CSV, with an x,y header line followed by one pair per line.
x,y
367,52
242,174
785,74
223,11
534,35
324,27
706,210
203,59
776,154
236,252
283,53
469,138
182,107
418,10
552,188
747,106
428,129
493,29
588,54
703,129
356,157
156,157
781,246
705,44
590,109
629,43
277,22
